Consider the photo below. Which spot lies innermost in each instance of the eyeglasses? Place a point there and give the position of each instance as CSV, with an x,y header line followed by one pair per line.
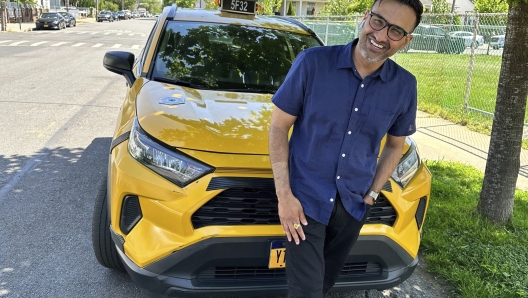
x,y
394,32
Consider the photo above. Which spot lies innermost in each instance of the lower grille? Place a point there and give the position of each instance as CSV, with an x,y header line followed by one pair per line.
x,y
365,269
257,206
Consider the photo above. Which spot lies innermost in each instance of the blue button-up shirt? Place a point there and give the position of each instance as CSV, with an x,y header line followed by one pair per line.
x,y
341,120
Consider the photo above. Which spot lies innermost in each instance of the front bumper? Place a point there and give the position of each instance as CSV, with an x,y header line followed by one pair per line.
x,y
181,244
49,26
238,266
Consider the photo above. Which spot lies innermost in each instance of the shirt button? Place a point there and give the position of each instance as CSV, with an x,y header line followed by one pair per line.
x,y
349,132
343,154
362,85
331,199
356,109
338,177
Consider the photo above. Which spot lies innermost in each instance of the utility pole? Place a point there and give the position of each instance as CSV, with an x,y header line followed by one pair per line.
x,y
19,15
3,15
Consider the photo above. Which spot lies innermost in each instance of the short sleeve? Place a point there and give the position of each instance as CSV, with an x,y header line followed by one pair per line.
x,y
290,96
405,124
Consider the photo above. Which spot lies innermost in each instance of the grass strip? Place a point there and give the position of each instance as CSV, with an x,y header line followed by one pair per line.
x,y
477,257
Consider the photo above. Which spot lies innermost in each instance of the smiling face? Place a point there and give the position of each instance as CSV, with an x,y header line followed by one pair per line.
x,y
376,46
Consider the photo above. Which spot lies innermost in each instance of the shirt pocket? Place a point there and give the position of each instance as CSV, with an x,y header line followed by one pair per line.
x,y
375,121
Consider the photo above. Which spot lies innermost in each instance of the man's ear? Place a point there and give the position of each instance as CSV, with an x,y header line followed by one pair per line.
x,y
407,41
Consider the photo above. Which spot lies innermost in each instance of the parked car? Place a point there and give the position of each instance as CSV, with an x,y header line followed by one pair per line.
x,y
122,15
128,13
135,15
50,20
115,15
189,204
105,15
69,18
433,38
497,41
468,38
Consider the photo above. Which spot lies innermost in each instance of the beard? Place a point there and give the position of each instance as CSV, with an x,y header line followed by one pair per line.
x,y
370,56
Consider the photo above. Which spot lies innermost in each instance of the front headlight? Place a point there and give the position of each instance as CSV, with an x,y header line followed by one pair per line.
x,y
169,163
408,166
55,22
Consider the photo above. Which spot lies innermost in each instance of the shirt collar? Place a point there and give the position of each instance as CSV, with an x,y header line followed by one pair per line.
x,y
344,60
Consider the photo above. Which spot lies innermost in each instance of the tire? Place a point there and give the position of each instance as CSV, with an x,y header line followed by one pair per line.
x,y
74,24
103,245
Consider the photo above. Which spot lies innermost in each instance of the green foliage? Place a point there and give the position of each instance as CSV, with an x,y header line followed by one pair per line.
x,y
270,6
479,259
336,7
107,5
359,6
210,4
27,1
440,6
180,3
486,6
291,10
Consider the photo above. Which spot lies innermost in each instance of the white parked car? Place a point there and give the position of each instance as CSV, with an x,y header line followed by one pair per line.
x,y
497,41
468,37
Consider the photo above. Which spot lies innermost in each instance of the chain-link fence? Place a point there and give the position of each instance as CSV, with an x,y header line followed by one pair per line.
x,y
455,57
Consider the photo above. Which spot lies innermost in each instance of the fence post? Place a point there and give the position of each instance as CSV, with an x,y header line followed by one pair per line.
x,y
471,63
326,30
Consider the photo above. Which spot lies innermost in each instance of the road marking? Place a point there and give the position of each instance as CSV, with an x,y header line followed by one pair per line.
x,y
18,43
97,45
58,44
119,34
82,32
38,43
78,44
94,32
2,41
142,35
107,33
135,47
117,45
131,34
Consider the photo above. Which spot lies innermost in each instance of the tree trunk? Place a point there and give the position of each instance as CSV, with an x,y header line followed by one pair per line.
x,y
502,167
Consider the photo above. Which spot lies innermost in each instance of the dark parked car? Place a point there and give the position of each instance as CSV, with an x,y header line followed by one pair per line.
x,y
432,38
69,18
115,15
50,20
122,15
105,15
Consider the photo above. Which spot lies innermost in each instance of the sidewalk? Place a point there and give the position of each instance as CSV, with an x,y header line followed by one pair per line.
x,y
24,27
439,139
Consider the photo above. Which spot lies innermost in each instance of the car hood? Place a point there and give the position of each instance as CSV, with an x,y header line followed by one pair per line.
x,y
47,19
215,121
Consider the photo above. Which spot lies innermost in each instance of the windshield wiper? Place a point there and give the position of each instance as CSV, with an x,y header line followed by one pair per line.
x,y
179,82
249,90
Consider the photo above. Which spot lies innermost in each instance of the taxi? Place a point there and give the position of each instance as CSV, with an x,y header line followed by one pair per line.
x,y
189,205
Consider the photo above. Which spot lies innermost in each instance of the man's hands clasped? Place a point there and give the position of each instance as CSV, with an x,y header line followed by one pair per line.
x,y
292,217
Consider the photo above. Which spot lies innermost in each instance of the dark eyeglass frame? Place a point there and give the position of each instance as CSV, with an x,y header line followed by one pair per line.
x,y
387,24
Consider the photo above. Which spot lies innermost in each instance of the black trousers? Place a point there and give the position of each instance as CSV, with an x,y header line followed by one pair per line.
x,y
313,266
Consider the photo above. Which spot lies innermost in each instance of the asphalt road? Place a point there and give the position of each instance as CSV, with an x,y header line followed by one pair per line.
x,y
59,107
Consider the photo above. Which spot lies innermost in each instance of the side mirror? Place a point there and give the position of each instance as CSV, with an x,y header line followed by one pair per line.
x,y
120,63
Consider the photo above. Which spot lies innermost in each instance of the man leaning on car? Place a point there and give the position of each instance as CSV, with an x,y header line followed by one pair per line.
x,y
341,101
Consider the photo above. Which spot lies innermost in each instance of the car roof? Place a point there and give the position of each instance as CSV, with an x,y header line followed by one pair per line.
x,y
217,16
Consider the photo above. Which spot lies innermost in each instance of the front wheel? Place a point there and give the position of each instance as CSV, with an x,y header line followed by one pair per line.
x,y
103,245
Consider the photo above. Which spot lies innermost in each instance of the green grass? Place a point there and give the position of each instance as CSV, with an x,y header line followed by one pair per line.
x,y
442,81
478,258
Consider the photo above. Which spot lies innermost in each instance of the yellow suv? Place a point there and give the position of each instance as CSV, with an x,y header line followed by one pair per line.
x,y
189,204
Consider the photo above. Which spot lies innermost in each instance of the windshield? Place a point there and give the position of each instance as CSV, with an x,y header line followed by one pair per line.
x,y
49,15
228,57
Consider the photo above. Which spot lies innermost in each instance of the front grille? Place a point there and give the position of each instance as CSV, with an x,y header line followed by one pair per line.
x,y
364,269
382,212
239,206
252,201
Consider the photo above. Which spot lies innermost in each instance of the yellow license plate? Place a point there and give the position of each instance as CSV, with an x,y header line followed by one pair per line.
x,y
277,255
45,25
